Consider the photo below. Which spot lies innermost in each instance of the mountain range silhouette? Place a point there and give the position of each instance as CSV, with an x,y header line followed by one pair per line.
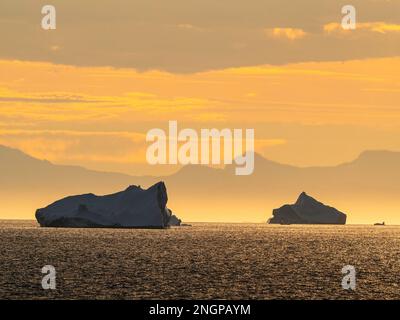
x,y
367,188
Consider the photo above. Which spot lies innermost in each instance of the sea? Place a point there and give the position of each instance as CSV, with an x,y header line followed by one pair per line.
x,y
201,261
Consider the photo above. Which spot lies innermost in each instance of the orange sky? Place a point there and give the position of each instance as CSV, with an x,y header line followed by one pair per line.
x,y
98,116
88,92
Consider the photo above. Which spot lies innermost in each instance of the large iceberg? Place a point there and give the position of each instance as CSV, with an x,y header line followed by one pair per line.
x,y
307,210
131,208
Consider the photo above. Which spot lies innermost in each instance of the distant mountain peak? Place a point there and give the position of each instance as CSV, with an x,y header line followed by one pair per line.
x,y
13,154
4,148
375,153
379,157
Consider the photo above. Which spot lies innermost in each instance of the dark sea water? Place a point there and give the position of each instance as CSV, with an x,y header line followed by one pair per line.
x,y
205,261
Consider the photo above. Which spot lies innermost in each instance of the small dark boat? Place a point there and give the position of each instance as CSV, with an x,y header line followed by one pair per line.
x,y
379,224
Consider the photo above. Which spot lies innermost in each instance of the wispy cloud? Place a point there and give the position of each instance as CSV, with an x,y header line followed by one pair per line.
x,y
67,146
183,37
190,27
378,27
286,33
93,116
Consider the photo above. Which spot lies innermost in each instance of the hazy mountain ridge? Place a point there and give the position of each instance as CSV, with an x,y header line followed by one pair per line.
x,y
16,166
359,187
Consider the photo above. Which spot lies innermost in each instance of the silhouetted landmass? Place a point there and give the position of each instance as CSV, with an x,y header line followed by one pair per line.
x,y
307,210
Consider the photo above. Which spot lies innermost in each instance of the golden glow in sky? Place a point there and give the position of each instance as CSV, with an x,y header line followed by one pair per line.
x,y
98,116
87,92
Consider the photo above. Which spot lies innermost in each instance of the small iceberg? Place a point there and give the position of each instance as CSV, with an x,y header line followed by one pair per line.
x,y
307,210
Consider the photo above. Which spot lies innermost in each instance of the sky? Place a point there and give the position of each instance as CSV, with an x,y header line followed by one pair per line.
x,y
87,92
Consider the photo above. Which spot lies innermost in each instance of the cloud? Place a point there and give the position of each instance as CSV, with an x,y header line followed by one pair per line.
x,y
95,149
189,27
79,107
41,100
66,146
378,27
191,36
109,110
55,48
105,97
286,33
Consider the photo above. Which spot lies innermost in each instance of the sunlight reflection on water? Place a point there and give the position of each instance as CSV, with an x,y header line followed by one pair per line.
x,y
205,261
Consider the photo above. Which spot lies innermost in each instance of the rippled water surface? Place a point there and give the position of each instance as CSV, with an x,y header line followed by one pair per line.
x,y
220,261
